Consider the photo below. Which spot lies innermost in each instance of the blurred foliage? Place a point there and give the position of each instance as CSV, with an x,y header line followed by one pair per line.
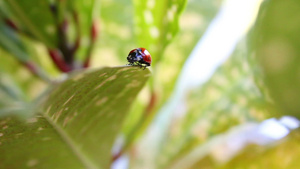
x,y
12,43
30,31
275,53
81,116
228,99
157,23
39,23
282,154
194,22
84,14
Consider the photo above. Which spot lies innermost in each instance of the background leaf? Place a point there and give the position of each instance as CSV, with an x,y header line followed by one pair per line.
x,y
157,22
84,14
79,123
38,21
229,98
277,155
274,44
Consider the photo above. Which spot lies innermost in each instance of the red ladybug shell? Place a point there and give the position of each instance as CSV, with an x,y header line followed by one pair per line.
x,y
146,55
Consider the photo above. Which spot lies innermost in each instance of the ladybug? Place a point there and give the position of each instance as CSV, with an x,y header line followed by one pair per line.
x,y
139,56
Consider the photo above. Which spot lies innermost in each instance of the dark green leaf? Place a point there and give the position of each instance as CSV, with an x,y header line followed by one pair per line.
x,y
36,18
11,42
282,154
87,12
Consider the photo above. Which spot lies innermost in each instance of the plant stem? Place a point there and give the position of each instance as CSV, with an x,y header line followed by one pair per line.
x,y
58,60
11,24
36,70
63,45
66,51
93,36
77,26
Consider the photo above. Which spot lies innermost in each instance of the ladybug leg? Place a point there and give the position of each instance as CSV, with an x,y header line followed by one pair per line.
x,y
138,64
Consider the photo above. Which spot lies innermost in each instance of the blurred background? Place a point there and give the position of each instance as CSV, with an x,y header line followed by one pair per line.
x,y
225,84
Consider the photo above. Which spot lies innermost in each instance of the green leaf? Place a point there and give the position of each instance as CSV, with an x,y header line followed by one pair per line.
x,y
200,13
229,98
87,12
157,22
115,29
8,87
282,154
11,42
78,124
275,53
36,18
238,148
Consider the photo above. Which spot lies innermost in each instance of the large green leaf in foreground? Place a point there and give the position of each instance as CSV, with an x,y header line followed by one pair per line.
x,y
78,125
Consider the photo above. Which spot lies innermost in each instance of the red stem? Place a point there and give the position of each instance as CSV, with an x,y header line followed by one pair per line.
x,y
151,104
31,67
11,24
36,70
93,36
58,60
94,31
117,156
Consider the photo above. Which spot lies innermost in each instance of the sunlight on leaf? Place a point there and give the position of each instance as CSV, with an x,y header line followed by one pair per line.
x,y
283,154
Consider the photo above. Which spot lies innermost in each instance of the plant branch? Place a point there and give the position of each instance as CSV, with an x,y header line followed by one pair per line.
x,y
67,52
77,26
11,24
58,60
93,37
36,70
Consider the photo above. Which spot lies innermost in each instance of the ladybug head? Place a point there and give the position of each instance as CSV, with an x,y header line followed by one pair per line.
x,y
132,56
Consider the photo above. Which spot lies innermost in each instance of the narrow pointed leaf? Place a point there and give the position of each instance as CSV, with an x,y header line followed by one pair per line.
x,y
36,18
11,43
